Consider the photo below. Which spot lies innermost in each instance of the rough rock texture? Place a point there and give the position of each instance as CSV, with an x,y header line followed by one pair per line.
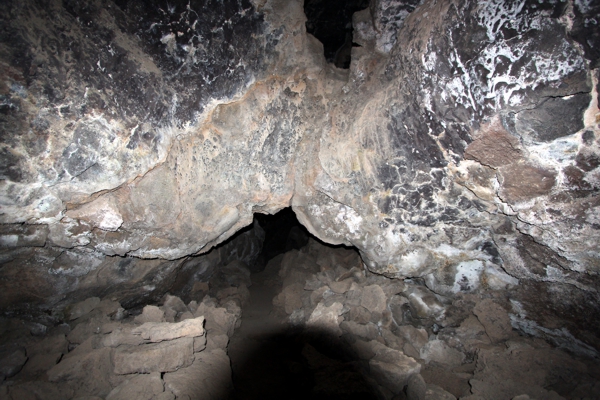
x,y
461,147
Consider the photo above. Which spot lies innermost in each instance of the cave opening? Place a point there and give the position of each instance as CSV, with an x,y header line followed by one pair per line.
x,y
330,21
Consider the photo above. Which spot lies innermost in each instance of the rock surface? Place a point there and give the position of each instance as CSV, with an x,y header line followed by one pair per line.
x,y
462,147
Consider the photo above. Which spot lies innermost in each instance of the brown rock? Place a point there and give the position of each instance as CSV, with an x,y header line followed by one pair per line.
x,y
217,341
208,377
77,310
494,319
393,375
495,147
150,314
521,181
440,352
88,372
38,390
12,360
434,392
155,357
374,299
139,387
368,331
38,364
159,331
121,336
342,286
416,388
199,343
416,337
326,319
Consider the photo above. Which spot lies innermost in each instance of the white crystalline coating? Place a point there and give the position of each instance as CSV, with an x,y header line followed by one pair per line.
x,y
468,274
554,273
9,240
110,220
498,280
429,60
350,218
494,14
560,152
584,5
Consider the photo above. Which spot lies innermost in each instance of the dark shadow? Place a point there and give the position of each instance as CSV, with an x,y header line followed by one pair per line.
x,y
296,364
283,232
330,21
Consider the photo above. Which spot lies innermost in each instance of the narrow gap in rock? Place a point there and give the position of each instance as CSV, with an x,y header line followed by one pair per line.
x,y
330,21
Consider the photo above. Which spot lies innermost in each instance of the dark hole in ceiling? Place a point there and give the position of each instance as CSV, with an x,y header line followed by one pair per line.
x,y
330,21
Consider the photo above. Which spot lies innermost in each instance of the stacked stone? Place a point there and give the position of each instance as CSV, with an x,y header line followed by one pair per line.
x,y
413,343
167,352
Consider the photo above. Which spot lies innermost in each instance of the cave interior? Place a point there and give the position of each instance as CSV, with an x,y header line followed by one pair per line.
x,y
287,199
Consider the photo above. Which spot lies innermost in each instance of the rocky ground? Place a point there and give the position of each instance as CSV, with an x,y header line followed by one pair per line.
x,y
313,324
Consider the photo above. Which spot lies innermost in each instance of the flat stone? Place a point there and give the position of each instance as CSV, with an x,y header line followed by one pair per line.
x,y
439,351
165,356
208,377
373,299
159,331
139,387
522,181
121,336
326,319
494,319
341,286
415,336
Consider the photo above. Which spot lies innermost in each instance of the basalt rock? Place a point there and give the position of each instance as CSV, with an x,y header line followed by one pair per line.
x,y
460,148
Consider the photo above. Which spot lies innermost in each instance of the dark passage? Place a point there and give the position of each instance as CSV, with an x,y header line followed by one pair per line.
x,y
330,21
275,360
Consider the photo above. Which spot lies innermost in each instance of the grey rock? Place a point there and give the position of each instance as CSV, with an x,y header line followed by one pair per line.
x,y
439,351
416,388
435,392
494,319
326,319
373,299
12,360
82,308
394,376
155,357
89,372
139,387
160,331
208,377
150,314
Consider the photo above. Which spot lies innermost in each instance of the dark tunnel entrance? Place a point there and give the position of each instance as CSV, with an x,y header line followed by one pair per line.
x,y
330,21
277,355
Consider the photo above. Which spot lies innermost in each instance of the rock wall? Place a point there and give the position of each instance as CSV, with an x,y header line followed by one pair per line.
x,y
461,148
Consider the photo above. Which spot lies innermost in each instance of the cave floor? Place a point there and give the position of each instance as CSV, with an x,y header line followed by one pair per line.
x,y
272,360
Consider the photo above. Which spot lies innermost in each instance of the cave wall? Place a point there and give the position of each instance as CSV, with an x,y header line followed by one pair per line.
x,y
461,147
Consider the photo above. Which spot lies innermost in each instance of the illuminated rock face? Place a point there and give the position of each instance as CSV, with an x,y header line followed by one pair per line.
x,y
461,147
